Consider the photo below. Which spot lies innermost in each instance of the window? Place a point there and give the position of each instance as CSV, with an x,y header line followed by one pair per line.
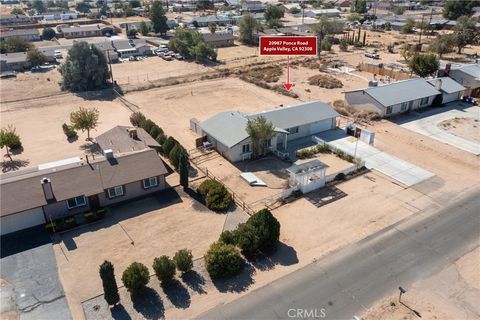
x,y
115,192
269,143
246,148
424,101
150,182
79,201
293,130
403,107
389,110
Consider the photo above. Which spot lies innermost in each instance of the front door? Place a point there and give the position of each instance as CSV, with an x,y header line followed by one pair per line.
x,y
94,202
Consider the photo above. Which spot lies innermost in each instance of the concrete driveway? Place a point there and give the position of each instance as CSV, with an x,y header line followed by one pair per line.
x,y
427,124
28,265
399,170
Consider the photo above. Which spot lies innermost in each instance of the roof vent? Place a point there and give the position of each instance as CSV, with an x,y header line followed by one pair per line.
x,y
108,153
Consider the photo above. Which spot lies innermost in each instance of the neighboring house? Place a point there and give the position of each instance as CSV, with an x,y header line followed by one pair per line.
x,y
122,139
18,61
394,98
138,47
8,19
450,89
51,16
62,189
234,3
94,30
316,13
204,21
133,24
226,131
108,50
219,39
253,6
289,6
468,75
25,34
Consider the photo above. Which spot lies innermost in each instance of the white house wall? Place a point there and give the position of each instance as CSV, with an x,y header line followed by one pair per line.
x,y
22,220
451,97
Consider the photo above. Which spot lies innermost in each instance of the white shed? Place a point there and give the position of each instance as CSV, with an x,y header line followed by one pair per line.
x,y
308,176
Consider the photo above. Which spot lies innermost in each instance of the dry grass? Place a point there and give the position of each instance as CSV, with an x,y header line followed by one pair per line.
x,y
347,110
270,73
325,81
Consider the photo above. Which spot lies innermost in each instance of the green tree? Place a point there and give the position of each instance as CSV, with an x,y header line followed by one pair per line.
x,y
359,6
247,240
248,26
137,118
216,196
266,227
183,170
158,18
110,289
343,45
295,10
85,68
48,34
453,9
274,23
135,3
464,33
260,131
83,7
191,45
442,44
399,10
39,5
9,139
16,11
353,17
424,65
84,119
273,12
223,260
14,44
183,260
135,277
164,268
175,154
407,51
132,33
228,237
168,145
408,27
212,26
143,28
35,57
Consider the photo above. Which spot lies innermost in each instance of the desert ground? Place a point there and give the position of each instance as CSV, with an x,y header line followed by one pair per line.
x,y
467,128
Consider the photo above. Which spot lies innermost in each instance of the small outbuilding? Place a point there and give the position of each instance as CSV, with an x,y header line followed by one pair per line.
x,y
307,176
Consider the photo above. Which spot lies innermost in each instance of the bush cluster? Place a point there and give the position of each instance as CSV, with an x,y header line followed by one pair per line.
x,y
215,195
69,131
223,260
164,268
259,234
310,152
170,147
135,277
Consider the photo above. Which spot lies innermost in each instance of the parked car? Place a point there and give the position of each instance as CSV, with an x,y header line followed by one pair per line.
x,y
160,50
57,54
166,57
178,56
132,58
372,55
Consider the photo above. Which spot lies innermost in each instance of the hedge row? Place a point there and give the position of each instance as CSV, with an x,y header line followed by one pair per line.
x,y
170,147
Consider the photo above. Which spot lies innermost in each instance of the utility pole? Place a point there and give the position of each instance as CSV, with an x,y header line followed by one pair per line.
x,y
110,65
421,30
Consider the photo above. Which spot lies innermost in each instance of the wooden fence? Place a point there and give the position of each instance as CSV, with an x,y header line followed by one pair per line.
x,y
382,71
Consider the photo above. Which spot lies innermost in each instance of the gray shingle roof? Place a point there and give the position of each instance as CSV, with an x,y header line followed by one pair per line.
x,y
402,91
217,36
20,32
448,85
472,69
118,139
24,191
226,127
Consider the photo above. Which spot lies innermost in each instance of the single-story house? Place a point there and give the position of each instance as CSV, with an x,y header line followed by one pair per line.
x,y
94,30
203,21
289,6
7,19
468,75
233,3
123,139
450,89
25,34
316,13
62,189
219,39
253,6
107,46
51,16
138,48
394,98
18,61
226,131
133,24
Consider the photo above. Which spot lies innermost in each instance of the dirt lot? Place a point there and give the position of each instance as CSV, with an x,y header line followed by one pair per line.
x,y
449,294
39,124
157,226
467,128
236,52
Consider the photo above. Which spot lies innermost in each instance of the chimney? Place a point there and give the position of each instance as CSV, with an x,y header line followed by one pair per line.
x,y
108,154
438,84
133,133
47,189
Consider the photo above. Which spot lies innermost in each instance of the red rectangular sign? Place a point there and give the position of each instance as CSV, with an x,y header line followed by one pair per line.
x,y
288,46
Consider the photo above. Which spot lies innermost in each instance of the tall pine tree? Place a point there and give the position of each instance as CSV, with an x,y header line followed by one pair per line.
x,y
158,18
110,288
183,170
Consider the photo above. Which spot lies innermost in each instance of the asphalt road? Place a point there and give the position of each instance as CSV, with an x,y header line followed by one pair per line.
x,y
342,284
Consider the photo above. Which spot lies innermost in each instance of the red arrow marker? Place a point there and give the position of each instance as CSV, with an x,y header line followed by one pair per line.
x,y
288,85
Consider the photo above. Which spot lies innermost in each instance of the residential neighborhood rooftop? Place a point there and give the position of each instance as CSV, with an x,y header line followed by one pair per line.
x,y
448,85
122,139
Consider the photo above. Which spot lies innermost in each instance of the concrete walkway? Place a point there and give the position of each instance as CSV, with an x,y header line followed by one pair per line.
x,y
399,170
428,122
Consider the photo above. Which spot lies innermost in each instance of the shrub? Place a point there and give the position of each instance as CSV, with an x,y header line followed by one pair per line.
x,y
267,228
155,131
175,153
247,239
340,176
323,148
325,81
183,260
161,138
69,131
325,45
168,145
137,118
216,196
228,237
343,45
183,169
110,289
147,125
164,269
135,277
222,260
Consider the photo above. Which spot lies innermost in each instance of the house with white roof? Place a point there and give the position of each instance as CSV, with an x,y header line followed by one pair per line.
x,y
394,98
226,131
